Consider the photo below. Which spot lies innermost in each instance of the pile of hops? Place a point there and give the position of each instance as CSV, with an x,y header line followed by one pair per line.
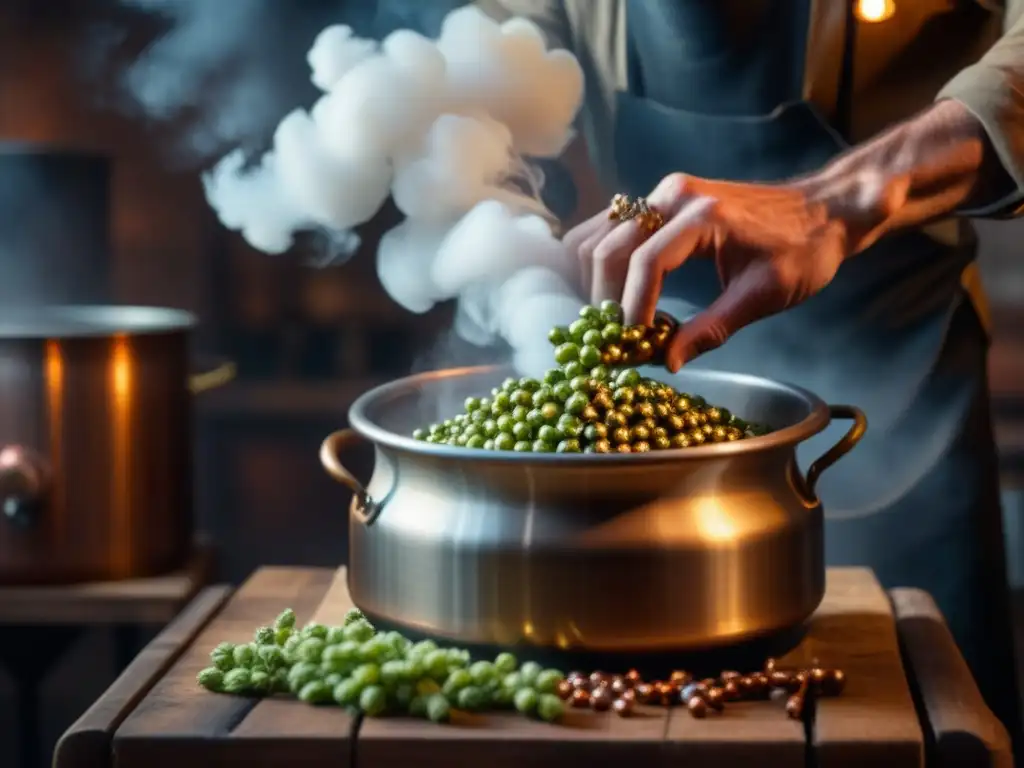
x,y
378,673
593,401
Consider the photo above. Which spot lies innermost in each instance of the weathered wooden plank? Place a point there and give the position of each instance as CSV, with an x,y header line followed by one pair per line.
x,y
963,729
87,743
511,741
745,735
178,723
874,722
286,732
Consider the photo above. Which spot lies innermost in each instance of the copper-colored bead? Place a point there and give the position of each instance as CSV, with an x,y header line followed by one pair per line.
x,y
680,677
780,679
623,707
580,698
644,410
681,441
641,446
697,437
834,682
624,448
707,682
633,333
719,434
590,414
630,694
633,677
698,707
675,422
615,420
817,676
576,679
597,679
612,354
730,674
690,690
565,689
601,699
769,666
644,692
603,401
795,706
602,446
619,685
731,690
715,697
708,430
640,433
714,415
666,693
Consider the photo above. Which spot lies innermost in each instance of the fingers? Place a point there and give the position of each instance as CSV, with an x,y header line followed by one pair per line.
x,y
580,242
667,249
611,257
749,297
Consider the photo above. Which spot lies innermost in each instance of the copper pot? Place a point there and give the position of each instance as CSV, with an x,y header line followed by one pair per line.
x,y
96,442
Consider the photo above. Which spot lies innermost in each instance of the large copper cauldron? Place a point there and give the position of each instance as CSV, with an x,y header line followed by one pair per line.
x,y
691,548
96,442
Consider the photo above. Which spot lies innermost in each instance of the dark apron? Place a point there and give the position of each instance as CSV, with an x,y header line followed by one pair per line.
x,y
716,94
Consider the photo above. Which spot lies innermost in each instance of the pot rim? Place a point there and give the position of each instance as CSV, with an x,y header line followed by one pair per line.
x,y
76,321
816,420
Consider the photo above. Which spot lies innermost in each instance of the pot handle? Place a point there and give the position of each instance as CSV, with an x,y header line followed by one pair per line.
x,y
212,379
840,449
365,508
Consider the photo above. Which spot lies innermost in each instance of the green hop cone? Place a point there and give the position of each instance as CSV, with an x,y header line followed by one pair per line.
x,y
212,679
505,663
359,631
438,708
223,657
549,707
373,701
335,635
264,636
237,681
319,631
526,700
548,680
260,681
315,692
286,620
472,699
244,655
353,615
272,657
346,693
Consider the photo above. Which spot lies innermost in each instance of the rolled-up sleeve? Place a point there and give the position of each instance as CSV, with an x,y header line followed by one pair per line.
x,y
993,90
549,15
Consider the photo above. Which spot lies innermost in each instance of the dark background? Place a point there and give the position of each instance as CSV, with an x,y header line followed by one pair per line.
x,y
306,340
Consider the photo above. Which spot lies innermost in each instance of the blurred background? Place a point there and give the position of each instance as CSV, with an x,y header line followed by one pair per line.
x,y
306,339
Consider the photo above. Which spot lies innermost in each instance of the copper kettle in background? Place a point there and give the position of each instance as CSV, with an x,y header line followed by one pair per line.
x,y
95,399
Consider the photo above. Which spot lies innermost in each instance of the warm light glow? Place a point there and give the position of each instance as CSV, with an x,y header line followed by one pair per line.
x,y
54,364
121,384
714,520
873,11
121,368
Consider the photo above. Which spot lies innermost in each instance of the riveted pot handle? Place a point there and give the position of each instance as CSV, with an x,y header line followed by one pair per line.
x,y
365,508
840,449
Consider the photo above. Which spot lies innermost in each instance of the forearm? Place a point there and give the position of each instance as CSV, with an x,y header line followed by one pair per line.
x,y
921,170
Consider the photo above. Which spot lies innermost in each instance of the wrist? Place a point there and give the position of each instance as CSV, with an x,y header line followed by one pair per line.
x,y
919,171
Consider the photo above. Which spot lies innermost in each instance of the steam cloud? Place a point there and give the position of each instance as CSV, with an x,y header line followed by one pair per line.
x,y
444,128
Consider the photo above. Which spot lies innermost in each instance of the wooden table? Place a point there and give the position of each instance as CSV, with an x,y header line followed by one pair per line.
x,y
155,716
39,624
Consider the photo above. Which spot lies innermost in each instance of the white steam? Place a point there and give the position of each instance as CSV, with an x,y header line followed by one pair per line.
x,y
444,128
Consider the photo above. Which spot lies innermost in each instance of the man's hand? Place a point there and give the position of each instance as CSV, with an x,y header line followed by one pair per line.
x,y
772,245
775,246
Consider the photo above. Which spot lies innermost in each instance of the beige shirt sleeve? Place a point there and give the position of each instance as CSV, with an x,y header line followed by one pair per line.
x,y
549,15
993,90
